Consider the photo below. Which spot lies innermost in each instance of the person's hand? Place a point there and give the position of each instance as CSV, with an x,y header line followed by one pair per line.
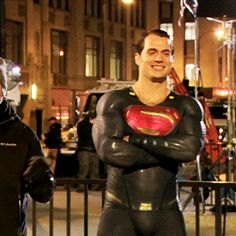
x,y
39,180
126,138
92,120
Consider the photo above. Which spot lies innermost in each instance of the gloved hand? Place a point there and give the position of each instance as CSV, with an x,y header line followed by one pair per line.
x,y
39,180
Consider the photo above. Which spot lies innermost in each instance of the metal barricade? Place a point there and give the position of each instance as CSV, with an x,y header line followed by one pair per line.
x,y
68,183
215,186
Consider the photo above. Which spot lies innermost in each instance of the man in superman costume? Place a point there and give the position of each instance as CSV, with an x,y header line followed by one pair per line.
x,y
144,133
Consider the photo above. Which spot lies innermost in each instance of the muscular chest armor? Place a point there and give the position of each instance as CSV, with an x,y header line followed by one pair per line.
x,y
151,188
156,121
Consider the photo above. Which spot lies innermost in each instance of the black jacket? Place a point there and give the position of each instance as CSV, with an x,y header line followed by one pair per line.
x,y
53,136
23,169
84,131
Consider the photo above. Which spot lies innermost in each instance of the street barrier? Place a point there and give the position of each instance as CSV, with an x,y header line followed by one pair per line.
x,y
68,183
215,187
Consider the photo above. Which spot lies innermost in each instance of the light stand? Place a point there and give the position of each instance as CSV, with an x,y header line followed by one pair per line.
x,y
229,42
222,9
193,10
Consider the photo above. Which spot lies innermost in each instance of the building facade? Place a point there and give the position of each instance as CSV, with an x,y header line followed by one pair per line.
x,y
63,47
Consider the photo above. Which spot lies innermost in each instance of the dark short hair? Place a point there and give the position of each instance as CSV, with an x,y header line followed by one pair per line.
x,y
157,32
52,118
92,114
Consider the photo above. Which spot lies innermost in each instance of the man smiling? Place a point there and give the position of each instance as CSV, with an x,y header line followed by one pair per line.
x,y
143,133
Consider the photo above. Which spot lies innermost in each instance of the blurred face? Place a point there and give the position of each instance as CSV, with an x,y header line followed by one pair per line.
x,y
155,60
50,122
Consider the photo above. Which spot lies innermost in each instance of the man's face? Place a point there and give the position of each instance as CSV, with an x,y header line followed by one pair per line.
x,y
155,60
51,122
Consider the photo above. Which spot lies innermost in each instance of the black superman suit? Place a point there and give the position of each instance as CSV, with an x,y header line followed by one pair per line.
x,y
141,185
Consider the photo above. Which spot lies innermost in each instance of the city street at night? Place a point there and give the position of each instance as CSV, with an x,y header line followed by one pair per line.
x,y
128,102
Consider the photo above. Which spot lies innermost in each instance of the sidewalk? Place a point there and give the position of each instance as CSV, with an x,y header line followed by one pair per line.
x,y
207,221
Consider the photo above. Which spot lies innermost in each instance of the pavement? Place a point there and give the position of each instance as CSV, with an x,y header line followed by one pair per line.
x,y
207,220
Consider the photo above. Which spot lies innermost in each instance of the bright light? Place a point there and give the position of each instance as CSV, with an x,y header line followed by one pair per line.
x,y
61,53
15,71
221,130
190,72
34,91
220,33
221,92
127,1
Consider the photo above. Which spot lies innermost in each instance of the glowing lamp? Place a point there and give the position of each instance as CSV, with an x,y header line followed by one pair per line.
x,y
34,91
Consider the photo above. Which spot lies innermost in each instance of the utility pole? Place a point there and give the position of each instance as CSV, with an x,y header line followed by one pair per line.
x,y
2,29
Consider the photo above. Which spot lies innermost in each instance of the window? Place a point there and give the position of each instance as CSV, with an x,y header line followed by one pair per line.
x,y
166,11
137,14
166,17
59,4
91,56
51,3
67,6
168,27
190,72
14,41
134,65
116,60
117,11
189,31
93,8
58,51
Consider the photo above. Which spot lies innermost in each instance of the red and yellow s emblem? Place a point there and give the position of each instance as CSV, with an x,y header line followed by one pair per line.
x,y
156,121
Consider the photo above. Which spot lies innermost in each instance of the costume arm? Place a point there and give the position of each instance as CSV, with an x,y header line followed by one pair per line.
x,y
108,132
183,145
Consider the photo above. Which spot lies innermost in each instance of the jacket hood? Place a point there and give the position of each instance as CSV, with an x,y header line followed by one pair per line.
x,y
7,113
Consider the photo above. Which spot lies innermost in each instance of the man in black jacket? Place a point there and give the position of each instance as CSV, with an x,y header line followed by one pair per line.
x,y
23,168
53,141
87,155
